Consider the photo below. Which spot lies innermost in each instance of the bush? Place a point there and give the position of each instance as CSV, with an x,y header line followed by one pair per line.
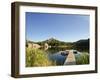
x,y
82,58
36,57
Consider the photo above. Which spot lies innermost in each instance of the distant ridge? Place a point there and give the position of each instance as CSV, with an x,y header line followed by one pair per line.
x,y
56,40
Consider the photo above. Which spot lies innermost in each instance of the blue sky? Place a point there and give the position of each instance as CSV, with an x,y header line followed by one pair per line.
x,y
64,27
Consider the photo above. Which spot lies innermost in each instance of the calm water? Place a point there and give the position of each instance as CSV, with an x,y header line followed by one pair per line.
x,y
54,54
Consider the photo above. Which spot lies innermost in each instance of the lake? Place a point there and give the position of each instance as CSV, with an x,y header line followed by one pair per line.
x,y
56,55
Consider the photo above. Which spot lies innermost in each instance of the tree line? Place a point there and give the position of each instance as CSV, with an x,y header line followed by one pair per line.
x,y
81,45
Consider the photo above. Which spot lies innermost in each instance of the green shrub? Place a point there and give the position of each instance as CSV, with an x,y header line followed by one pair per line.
x,y
36,57
82,58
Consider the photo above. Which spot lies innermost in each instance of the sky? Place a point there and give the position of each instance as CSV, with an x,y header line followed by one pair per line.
x,y
64,27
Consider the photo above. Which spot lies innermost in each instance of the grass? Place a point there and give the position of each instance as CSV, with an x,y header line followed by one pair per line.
x,y
37,57
82,58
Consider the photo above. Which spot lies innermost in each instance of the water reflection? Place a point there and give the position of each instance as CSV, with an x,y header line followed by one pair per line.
x,y
56,49
55,55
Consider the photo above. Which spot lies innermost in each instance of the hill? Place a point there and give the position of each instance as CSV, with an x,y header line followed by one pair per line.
x,y
81,45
